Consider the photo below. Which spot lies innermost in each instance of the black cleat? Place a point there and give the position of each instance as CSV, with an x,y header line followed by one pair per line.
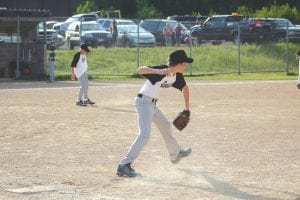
x,y
89,102
126,170
81,103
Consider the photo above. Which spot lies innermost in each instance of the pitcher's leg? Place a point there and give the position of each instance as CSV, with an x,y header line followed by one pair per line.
x,y
165,129
144,117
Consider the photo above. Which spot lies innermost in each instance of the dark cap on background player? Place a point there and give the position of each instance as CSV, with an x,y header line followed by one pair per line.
x,y
179,56
85,47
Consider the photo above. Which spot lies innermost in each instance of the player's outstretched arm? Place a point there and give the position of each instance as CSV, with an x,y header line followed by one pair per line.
x,y
149,70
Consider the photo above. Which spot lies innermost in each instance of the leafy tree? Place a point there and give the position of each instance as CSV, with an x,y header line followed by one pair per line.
x,y
284,11
85,7
144,10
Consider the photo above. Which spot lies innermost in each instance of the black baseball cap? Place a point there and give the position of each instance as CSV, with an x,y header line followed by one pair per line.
x,y
85,47
298,54
179,56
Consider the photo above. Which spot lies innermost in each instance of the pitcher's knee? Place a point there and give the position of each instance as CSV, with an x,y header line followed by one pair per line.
x,y
144,136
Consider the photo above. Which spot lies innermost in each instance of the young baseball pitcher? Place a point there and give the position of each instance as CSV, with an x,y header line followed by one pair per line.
x,y
159,77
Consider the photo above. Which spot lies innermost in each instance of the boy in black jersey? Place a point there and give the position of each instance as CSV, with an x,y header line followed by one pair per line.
x,y
158,77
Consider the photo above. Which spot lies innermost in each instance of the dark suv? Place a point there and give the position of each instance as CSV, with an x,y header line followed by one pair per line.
x,y
155,26
220,28
280,27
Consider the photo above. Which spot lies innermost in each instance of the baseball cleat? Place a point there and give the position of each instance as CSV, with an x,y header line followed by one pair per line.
x,y
182,153
81,103
126,170
89,102
298,85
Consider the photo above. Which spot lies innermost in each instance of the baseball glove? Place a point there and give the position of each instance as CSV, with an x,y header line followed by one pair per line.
x,y
182,119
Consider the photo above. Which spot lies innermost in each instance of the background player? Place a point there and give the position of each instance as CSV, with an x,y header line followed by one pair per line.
x,y
79,69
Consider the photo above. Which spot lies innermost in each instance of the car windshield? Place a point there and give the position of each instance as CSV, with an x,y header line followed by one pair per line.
x,y
131,29
72,19
174,24
126,23
87,27
284,23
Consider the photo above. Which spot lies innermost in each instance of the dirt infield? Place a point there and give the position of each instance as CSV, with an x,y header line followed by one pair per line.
x,y
245,138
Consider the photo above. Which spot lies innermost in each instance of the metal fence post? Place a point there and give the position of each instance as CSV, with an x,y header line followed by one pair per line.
x,y
18,48
80,32
239,50
138,47
287,49
190,44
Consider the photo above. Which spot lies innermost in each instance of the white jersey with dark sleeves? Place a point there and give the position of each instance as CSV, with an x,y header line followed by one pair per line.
x,y
80,64
155,82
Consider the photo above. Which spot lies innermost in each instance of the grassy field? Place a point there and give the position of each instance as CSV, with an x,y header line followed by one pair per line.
x,y
210,61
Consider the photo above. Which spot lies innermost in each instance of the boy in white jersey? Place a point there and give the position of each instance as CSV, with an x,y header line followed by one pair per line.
x,y
159,77
79,67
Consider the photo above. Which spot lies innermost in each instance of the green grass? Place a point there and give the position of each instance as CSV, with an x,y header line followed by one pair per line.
x,y
210,62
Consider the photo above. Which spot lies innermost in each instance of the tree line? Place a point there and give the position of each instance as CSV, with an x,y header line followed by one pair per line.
x,y
141,9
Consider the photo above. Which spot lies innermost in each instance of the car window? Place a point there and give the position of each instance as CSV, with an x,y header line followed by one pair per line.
x,y
125,23
216,22
161,26
149,25
106,24
72,19
72,26
234,18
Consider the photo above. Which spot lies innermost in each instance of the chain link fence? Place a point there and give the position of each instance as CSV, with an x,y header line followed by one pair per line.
x,y
135,49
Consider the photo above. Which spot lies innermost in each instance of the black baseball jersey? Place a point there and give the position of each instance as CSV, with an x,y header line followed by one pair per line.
x,y
155,82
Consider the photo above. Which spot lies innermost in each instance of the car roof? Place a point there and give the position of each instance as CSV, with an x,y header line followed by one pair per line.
x,y
164,20
84,14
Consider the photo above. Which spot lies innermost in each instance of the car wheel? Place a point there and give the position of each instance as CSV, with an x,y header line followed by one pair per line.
x,y
217,42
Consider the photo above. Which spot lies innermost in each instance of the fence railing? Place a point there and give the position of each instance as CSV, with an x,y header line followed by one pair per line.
x,y
222,57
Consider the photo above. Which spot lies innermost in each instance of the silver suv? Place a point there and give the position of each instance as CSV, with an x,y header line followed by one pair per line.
x,y
87,32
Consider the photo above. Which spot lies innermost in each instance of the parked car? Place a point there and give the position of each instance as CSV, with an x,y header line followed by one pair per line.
x,y
155,26
52,37
133,35
88,32
61,27
219,28
280,27
105,24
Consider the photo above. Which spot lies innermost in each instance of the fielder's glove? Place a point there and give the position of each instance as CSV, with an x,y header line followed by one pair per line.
x,y
182,119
